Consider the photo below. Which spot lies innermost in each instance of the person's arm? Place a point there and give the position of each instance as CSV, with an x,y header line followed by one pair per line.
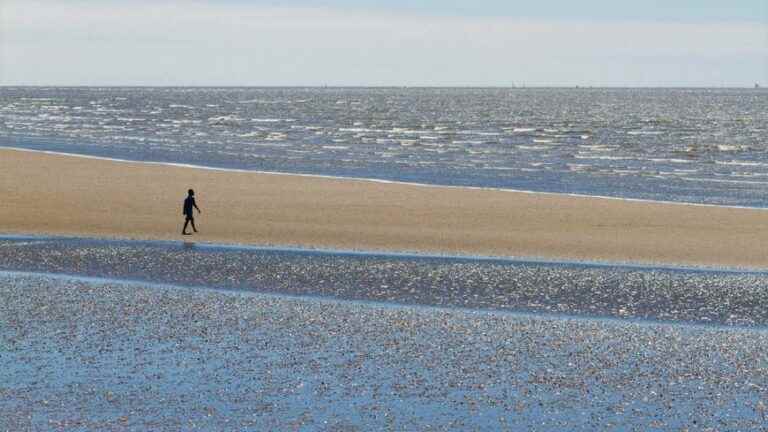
x,y
194,203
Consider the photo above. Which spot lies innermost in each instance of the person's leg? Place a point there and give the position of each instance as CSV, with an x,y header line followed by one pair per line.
x,y
193,225
184,230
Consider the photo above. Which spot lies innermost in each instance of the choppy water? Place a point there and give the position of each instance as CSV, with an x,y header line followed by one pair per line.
x,y
691,145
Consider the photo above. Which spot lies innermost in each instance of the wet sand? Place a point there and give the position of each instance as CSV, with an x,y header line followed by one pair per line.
x,y
61,195
624,292
110,335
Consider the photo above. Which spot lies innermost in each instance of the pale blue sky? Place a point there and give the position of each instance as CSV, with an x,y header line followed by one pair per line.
x,y
397,42
669,10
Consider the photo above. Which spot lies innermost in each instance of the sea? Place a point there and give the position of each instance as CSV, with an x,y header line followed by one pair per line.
x,y
100,334
705,146
129,335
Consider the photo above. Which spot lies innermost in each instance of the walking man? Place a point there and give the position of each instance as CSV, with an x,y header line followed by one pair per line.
x,y
189,204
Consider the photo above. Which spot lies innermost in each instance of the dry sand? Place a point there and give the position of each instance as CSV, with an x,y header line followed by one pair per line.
x,y
61,195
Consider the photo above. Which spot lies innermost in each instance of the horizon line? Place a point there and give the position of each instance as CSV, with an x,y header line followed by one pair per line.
x,y
753,86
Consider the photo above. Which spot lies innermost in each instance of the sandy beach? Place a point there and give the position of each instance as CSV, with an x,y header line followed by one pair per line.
x,y
74,196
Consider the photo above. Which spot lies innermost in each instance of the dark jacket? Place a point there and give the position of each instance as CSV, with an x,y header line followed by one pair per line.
x,y
189,204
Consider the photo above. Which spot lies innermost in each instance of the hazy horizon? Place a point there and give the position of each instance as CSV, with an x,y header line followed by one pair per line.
x,y
340,43
299,86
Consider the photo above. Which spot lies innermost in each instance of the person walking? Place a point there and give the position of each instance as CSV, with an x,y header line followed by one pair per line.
x,y
189,205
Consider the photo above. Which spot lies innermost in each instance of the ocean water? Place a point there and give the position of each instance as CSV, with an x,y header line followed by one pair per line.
x,y
684,145
133,335
124,356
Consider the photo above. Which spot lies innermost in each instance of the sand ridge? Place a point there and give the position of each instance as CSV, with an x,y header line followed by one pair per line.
x,y
61,195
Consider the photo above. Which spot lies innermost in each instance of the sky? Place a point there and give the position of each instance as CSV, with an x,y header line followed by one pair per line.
x,y
384,43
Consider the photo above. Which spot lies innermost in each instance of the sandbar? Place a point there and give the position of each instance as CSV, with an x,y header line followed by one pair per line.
x,y
50,194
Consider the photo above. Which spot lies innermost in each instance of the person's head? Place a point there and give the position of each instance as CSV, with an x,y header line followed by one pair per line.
x,y
191,192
